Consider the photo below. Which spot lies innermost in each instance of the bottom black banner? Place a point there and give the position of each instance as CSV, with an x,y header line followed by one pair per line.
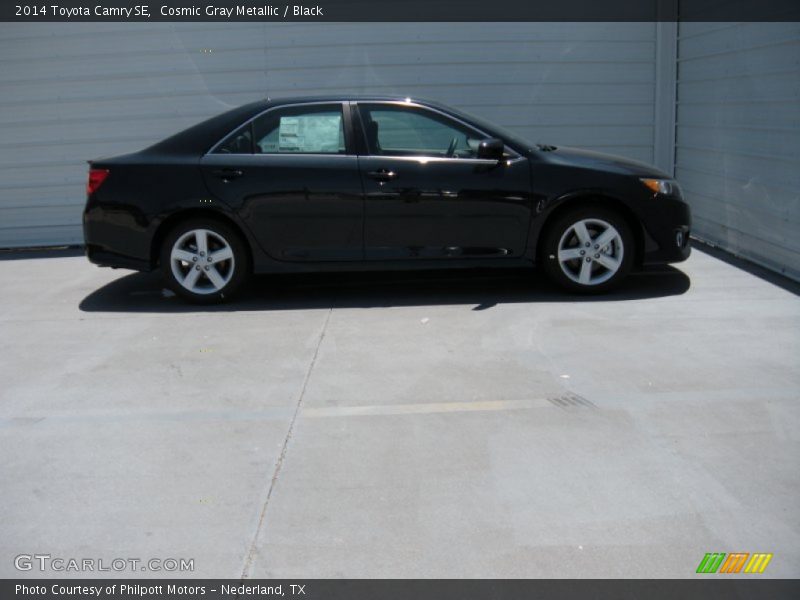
x,y
400,589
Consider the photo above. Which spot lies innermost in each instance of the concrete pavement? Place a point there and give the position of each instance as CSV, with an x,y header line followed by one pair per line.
x,y
400,425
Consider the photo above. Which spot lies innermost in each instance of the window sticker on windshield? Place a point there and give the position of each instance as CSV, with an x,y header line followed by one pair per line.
x,y
309,133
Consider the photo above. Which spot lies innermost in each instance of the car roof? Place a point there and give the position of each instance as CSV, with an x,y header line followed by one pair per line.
x,y
346,98
283,100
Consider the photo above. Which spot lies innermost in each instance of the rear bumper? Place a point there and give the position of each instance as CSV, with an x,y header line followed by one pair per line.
x,y
116,236
104,258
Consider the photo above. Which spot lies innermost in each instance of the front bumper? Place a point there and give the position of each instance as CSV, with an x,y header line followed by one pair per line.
x,y
668,226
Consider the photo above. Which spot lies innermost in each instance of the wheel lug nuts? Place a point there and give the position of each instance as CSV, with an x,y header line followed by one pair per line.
x,y
582,252
596,246
597,256
207,268
588,244
209,259
588,259
197,267
194,259
202,254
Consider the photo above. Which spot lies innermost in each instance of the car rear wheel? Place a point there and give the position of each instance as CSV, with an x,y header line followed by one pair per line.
x,y
588,250
204,261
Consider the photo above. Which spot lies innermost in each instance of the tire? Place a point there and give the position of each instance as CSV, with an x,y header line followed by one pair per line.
x,y
576,262
190,269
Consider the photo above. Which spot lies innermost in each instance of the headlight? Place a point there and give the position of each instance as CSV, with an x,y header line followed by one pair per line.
x,y
666,187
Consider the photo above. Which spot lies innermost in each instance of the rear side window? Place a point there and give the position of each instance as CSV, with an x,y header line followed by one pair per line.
x,y
239,142
317,129
300,130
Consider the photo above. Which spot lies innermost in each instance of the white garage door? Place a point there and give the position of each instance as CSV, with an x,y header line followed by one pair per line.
x,y
738,137
76,91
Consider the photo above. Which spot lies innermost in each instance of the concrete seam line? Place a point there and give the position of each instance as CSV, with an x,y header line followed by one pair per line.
x,y
248,562
425,408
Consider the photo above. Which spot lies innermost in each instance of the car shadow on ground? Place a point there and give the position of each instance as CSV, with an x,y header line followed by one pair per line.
x,y
484,289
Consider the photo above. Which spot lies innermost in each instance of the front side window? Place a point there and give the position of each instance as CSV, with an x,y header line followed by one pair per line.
x,y
408,131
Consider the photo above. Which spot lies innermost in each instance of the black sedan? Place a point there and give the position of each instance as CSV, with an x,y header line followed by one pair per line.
x,y
333,183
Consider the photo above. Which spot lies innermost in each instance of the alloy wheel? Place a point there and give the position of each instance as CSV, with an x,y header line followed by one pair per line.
x,y
202,261
590,252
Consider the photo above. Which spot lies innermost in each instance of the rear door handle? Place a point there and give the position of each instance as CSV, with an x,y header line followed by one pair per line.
x,y
227,174
382,175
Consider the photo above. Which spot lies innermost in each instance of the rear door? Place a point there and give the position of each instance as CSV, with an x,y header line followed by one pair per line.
x,y
428,196
292,176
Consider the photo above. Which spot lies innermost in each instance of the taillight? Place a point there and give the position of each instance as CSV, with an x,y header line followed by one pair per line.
x,y
96,178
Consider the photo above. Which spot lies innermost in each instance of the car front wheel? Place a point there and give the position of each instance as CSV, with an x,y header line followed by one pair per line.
x,y
588,250
204,261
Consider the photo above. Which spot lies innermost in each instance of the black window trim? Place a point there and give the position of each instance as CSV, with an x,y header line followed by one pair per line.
x,y
346,125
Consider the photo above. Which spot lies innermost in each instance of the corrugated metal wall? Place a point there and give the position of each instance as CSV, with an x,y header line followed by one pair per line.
x,y
738,137
76,91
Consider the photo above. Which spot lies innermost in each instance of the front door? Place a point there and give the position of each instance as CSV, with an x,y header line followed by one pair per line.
x,y
428,196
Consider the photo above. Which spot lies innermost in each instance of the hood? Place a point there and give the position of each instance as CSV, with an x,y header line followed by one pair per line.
x,y
598,161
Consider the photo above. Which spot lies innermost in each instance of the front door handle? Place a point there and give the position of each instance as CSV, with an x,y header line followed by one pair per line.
x,y
382,175
227,174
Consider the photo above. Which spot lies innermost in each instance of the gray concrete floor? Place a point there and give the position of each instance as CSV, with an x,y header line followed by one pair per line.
x,y
448,425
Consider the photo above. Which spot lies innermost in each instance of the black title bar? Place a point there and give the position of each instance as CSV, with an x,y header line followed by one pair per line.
x,y
399,10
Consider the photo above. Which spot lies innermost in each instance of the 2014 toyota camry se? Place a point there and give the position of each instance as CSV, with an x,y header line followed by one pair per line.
x,y
335,183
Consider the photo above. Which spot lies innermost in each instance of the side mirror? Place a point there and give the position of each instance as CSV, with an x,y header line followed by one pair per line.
x,y
491,149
